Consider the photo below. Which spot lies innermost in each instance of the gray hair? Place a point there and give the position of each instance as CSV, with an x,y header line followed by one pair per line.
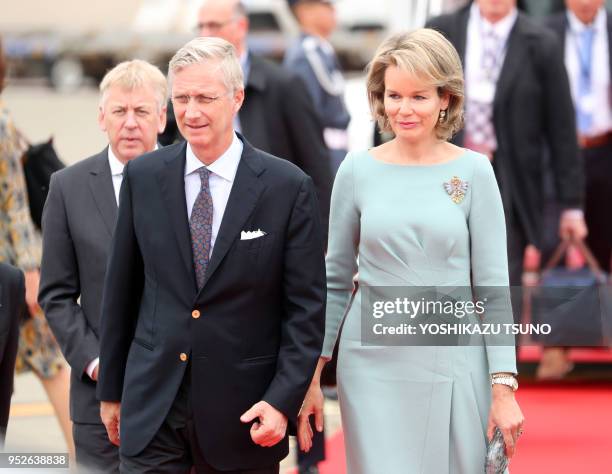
x,y
206,50
133,74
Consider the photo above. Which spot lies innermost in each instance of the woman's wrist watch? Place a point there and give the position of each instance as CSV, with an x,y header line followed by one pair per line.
x,y
505,379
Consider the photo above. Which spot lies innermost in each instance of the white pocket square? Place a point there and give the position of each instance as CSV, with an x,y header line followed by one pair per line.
x,y
251,234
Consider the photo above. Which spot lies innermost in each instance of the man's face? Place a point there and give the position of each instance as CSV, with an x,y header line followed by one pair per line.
x,y
203,106
319,15
131,119
495,10
218,18
585,10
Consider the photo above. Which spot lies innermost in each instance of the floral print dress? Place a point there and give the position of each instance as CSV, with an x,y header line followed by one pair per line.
x,y
20,246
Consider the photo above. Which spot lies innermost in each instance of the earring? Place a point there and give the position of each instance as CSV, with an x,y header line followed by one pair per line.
x,y
442,116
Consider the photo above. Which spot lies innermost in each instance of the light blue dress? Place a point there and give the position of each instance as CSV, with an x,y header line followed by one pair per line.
x,y
413,409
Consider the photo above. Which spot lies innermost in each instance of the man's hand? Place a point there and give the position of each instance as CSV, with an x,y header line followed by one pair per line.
x,y
271,426
110,412
572,225
32,279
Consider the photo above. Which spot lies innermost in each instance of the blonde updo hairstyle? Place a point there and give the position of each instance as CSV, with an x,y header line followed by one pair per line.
x,y
428,55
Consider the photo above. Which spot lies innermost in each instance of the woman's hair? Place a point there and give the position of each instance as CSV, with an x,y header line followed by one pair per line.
x,y
426,54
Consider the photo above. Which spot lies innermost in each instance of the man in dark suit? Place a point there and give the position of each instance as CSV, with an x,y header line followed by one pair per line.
x,y
584,30
278,115
78,222
585,33
518,101
212,319
12,307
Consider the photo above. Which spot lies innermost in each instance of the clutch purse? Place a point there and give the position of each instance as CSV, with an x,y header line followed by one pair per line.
x,y
496,461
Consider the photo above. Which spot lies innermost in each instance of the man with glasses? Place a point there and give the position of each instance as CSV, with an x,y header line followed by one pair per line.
x,y
277,115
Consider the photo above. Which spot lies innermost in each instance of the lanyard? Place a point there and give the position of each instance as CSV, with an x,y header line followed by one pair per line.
x,y
584,63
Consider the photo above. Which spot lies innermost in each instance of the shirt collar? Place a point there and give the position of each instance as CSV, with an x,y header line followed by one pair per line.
x,y
501,28
225,166
599,22
115,165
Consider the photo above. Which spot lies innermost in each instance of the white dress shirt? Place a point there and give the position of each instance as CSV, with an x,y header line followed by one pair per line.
x,y
116,168
600,70
475,77
221,178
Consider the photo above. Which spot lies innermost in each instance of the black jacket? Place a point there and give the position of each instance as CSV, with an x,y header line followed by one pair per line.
x,y
78,222
12,307
260,329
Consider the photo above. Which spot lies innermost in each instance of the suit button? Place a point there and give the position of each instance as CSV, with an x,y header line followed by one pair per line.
x,y
195,314
183,356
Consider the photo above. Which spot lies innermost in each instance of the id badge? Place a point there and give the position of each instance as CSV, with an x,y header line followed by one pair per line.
x,y
483,91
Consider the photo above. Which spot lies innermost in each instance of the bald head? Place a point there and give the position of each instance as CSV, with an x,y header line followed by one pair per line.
x,y
225,19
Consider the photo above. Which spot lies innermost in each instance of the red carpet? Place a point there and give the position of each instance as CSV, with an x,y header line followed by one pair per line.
x,y
532,354
568,430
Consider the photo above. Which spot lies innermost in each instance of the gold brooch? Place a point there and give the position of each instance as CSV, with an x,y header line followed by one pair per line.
x,y
456,189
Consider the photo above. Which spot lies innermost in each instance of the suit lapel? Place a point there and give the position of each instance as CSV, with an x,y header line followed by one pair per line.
x,y
515,55
102,190
461,39
563,27
458,37
251,112
244,195
171,179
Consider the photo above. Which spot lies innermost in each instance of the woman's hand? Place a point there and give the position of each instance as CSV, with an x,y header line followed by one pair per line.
x,y
313,405
507,416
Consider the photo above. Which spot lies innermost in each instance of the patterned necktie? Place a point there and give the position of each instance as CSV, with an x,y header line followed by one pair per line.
x,y
584,114
479,114
201,228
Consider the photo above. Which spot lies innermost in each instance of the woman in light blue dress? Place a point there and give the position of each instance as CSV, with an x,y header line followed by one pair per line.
x,y
415,212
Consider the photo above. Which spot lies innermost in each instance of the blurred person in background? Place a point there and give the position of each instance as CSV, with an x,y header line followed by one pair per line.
x,y
518,101
584,30
20,246
313,58
413,408
277,115
78,222
12,308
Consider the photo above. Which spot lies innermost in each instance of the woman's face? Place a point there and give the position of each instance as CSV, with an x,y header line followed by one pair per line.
x,y
411,105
